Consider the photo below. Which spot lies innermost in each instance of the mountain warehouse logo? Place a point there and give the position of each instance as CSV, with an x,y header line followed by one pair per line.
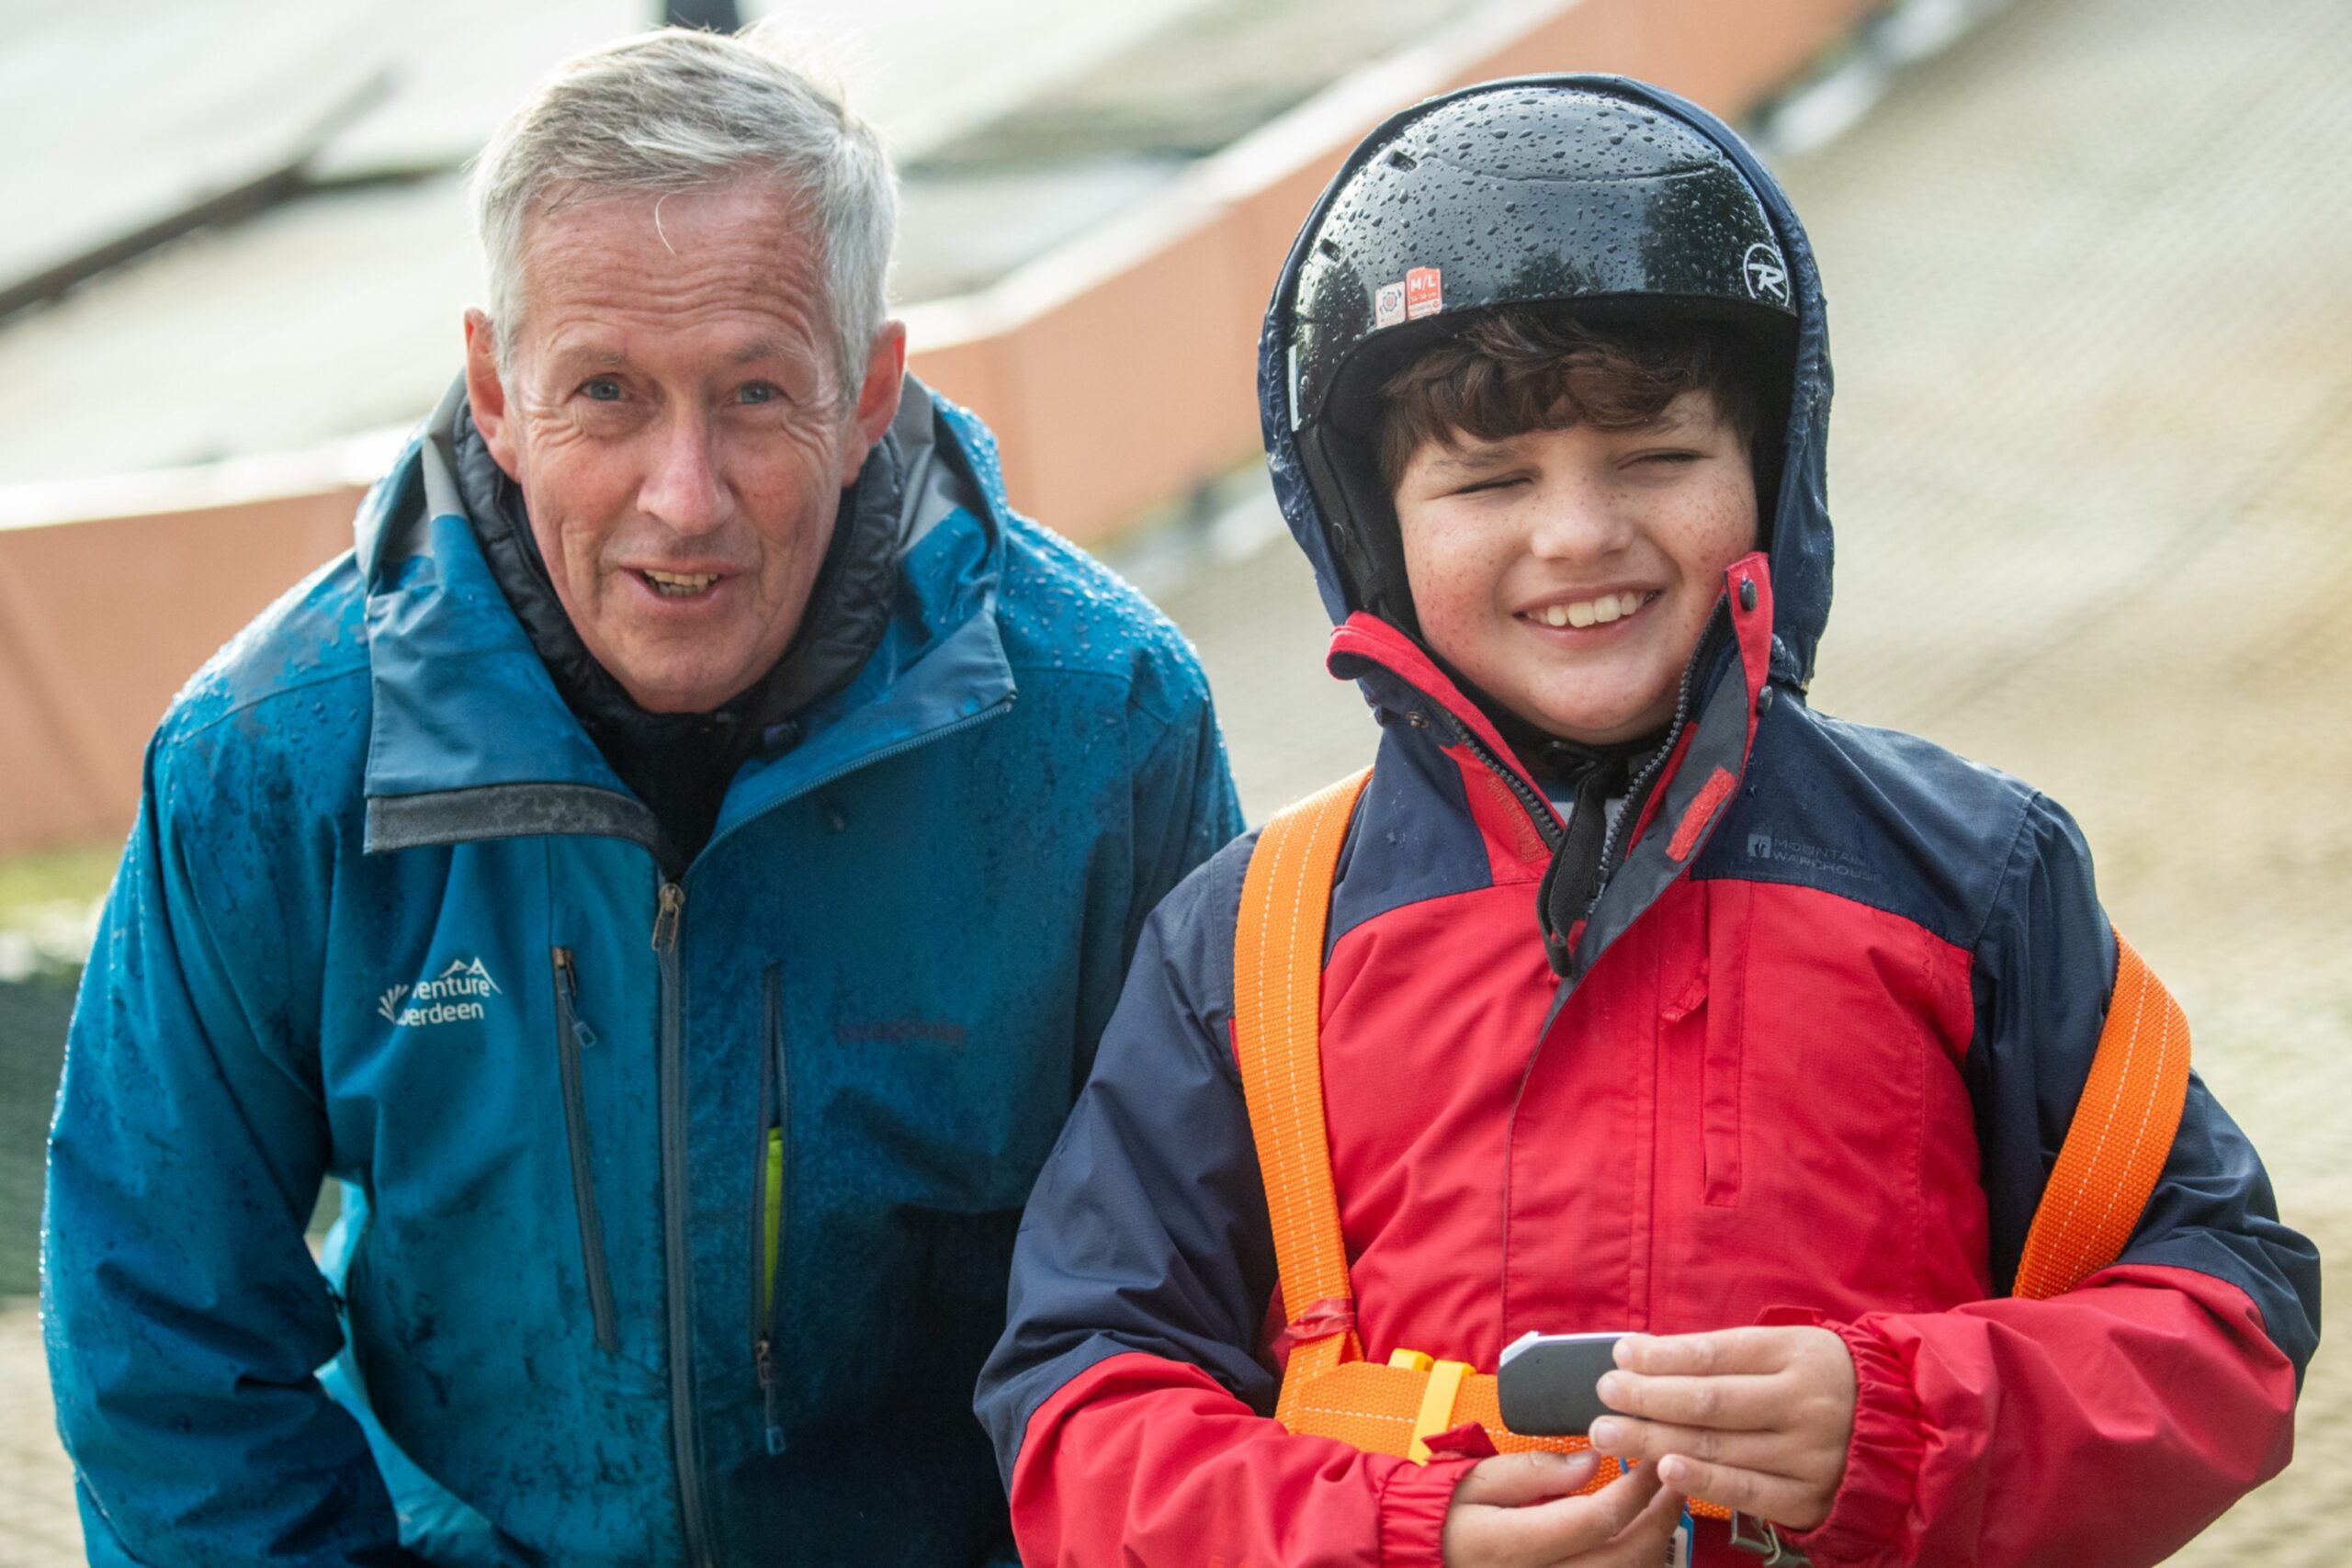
x,y
453,996
1820,860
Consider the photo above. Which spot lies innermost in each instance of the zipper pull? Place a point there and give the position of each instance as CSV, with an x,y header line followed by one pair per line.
x,y
566,977
666,923
764,1360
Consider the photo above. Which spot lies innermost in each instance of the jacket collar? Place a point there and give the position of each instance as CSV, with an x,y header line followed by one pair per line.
x,y
1697,778
1401,680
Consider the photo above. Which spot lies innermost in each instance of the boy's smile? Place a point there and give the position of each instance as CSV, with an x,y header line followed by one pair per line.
x,y
1568,573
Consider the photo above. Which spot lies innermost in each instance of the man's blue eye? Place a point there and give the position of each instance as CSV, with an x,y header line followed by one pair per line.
x,y
603,390
761,392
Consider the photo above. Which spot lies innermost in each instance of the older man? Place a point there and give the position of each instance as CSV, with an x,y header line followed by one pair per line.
x,y
673,872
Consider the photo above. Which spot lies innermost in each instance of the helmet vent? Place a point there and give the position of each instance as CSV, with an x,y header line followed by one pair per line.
x,y
1400,159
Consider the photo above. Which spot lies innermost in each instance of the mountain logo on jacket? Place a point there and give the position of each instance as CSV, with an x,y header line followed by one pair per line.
x,y
453,996
1821,865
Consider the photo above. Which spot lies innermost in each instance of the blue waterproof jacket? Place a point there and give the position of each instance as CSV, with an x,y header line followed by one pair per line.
x,y
679,1198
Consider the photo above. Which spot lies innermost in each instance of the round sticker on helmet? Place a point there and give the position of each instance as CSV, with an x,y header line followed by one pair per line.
x,y
1767,275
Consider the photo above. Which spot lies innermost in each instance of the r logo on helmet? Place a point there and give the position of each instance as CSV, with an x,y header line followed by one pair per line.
x,y
1768,274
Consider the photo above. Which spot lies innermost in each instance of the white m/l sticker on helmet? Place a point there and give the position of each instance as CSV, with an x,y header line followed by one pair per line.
x,y
1424,292
456,995
1767,273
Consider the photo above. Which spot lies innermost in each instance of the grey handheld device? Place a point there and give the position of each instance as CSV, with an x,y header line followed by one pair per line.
x,y
1544,1383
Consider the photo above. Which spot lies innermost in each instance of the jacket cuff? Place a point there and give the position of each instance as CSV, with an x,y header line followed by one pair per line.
x,y
1413,1502
1866,1518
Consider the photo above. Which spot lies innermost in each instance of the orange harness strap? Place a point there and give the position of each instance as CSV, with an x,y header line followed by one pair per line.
x,y
1277,1025
2120,1135
2116,1145
1328,1389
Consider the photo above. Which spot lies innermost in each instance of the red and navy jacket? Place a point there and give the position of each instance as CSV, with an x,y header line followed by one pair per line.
x,y
1811,1060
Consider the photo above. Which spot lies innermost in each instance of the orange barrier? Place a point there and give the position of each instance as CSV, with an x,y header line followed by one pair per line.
x,y
101,622
1117,372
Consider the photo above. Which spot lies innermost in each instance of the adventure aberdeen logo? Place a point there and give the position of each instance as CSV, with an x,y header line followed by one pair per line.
x,y
453,996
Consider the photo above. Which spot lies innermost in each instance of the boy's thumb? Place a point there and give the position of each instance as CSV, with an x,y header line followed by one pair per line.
x,y
1512,1481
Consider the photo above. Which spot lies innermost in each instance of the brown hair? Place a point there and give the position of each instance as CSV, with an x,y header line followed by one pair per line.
x,y
1518,370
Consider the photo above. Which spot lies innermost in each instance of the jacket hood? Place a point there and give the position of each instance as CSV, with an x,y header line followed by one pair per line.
x,y
1799,530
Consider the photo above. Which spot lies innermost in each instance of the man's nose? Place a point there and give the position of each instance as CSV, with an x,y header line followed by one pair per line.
x,y
681,487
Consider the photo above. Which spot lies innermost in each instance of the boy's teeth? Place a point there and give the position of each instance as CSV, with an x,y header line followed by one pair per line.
x,y
1603,610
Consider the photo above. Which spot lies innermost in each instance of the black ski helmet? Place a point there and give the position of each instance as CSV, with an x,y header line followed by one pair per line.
x,y
1533,191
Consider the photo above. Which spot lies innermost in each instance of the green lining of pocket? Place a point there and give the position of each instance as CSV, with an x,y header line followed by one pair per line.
x,y
771,1213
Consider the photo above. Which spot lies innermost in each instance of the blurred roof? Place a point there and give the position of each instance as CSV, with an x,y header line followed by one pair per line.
x,y
339,310
328,303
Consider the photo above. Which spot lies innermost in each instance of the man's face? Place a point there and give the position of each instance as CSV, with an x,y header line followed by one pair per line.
x,y
1569,573
673,413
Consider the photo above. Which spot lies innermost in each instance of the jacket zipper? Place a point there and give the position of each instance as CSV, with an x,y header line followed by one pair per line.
x,y
572,1035
684,1421
677,1255
1637,792
771,1191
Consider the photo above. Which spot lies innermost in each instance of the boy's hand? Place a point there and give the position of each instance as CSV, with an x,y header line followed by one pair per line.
x,y
1514,1511
1756,1419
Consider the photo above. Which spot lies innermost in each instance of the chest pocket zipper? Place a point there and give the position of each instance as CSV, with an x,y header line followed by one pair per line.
x,y
1704,1028
573,1037
771,1197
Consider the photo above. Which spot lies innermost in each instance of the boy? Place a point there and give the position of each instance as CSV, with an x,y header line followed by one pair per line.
x,y
1651,1000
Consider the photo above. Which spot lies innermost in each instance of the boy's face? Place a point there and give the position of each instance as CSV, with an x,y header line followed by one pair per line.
x,y
1569,573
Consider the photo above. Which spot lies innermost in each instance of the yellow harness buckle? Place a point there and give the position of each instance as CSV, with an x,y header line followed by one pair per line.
x,y
1437,1404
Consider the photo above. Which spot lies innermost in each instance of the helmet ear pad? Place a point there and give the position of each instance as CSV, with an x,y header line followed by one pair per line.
x,y
1341,450
1360,521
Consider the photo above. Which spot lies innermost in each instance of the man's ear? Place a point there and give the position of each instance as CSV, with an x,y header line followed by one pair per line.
x,y
487,393
877,399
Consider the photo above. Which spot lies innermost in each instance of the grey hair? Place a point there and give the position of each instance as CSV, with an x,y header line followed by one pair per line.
x,y
675,110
